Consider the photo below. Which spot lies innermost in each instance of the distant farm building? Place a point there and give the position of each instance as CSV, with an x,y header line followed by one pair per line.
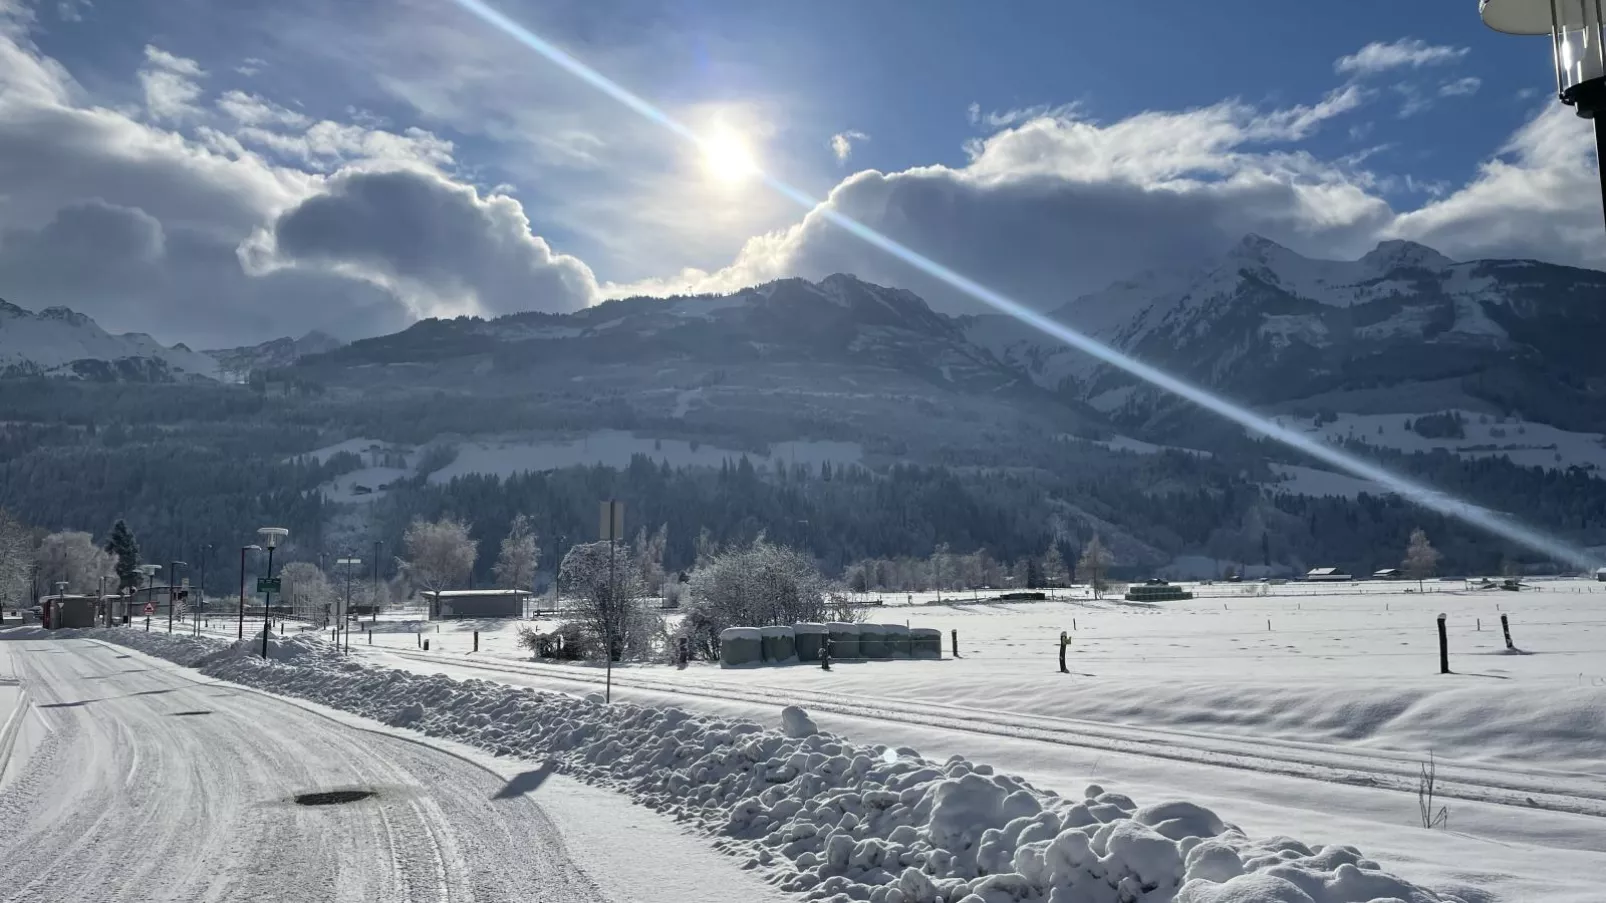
x,y
476,603
1600,574
1157,591
1327,575
1386,574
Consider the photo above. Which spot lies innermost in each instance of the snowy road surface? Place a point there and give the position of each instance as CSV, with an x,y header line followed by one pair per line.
x,y
155,783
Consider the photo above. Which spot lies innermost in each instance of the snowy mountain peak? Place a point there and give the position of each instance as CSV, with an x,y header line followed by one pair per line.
x,y
1399,254
58,341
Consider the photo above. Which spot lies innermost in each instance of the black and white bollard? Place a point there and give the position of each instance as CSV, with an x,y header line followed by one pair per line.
x,y
1505,628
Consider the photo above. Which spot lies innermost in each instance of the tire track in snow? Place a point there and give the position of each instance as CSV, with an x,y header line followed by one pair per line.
x,y
1290,759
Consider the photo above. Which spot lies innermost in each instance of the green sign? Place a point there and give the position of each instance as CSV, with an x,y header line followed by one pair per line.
x,y
267,584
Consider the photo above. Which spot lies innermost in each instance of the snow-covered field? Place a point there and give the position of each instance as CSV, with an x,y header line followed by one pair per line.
x,y
1526,443
1308,713
839,819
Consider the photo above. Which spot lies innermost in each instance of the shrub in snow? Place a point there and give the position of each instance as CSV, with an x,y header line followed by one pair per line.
x,y
607,591
830,819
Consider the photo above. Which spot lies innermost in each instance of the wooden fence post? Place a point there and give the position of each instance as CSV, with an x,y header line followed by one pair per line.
x,y
476,641
954,636
1505,628
1444,647
1064,641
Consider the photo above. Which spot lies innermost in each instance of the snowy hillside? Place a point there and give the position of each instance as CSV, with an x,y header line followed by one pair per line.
x,y
60,342
239,363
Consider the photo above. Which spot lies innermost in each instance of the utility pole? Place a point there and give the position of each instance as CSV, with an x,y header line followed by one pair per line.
x,y
613,524
374,615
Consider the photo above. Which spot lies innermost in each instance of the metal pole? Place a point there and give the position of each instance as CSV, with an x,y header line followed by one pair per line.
x,y
345,614
607,621
200,603
1600,153
267,598
172,592
373,617
242,592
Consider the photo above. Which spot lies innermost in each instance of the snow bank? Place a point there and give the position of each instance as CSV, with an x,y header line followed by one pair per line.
x,y
833,820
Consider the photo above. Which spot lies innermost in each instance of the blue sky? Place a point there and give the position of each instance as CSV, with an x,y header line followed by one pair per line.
x,y
1098,139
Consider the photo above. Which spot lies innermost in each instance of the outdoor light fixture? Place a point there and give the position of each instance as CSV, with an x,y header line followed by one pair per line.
x,y
270,538
1577,30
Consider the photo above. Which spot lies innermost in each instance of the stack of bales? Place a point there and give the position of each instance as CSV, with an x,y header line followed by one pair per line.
x,y
779,645
741,647
809,640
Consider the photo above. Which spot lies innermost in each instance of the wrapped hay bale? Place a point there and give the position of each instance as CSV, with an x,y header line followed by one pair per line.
x,y
873,642
844,639
898,641
740,647
927,642
779,645
809,639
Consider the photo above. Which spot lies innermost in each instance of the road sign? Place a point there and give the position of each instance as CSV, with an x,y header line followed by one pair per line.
x,y
267,584
150,608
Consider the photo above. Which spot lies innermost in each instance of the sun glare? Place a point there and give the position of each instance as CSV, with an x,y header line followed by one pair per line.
x,y
728,157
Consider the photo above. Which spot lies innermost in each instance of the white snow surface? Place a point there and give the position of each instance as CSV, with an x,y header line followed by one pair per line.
x,y
829,818
1525,443
57,336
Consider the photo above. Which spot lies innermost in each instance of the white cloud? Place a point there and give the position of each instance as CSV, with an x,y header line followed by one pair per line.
x,y
148,225
250,66
842,144
1461,87
1405,53
170,84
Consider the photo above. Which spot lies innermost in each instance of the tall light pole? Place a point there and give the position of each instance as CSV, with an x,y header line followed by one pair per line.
x,y
1577,29
243,550
374,615
349,564
613,526
270,538
200,603
172,590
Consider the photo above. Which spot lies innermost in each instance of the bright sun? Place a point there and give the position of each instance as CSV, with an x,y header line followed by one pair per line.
x,y
727,157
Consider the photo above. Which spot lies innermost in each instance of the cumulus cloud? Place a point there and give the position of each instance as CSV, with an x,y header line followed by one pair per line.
x,y
171,85
842,144
433,239
1405,53
155,220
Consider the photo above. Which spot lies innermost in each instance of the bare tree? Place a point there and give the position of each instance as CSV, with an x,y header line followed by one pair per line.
x,y
759,585
440,554
649,553
307,590
515,565
1421,558
1094,564
1055,573
73,558
606,590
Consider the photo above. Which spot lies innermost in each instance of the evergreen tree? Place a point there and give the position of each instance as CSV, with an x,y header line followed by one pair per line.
x,y
123,547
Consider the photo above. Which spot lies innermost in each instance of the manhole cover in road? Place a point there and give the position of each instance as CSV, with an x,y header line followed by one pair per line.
x,y
332,797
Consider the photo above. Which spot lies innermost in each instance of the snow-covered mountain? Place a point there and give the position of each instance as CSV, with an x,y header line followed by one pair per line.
x,y
60,342
237,364
1274,328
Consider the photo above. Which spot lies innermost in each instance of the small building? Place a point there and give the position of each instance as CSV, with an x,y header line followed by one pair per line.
x,y
69,611
476,603
1327,575
1157,591
1600,574
1386,574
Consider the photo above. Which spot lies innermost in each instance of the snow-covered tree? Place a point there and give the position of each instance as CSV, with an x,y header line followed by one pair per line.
x,y
515,565
440,554
649,552
605,590
1094,564
755,586
1421,558
307,590
1055,573
121,546
73,557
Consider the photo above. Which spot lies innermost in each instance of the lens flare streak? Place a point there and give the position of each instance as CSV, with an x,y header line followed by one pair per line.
x,y
1420,494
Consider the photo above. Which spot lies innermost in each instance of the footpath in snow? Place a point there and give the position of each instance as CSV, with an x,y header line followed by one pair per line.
x,y
830,819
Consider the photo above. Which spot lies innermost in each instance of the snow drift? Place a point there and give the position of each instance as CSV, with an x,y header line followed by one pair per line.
x,y
826,818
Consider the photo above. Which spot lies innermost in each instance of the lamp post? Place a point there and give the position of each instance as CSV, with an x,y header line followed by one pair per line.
x,y
172,590
345,613
374,615
243,550
100,600
270,538
1577,29
200,603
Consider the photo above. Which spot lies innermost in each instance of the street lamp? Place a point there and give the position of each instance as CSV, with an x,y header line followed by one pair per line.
x,y
374,615
1577,29
243,550
345,613
172,589
200,602
270,538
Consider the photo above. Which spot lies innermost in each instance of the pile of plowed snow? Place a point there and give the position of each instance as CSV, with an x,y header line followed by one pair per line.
x,y
834,820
